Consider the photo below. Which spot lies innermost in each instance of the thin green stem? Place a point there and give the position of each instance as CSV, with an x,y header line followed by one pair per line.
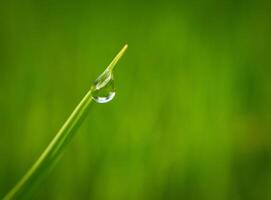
x,y
113,63
53,151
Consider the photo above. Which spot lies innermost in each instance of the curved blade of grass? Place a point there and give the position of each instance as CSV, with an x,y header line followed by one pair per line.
x,y
51,154
113,63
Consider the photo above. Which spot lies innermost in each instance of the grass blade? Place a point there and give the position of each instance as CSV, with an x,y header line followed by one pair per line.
x,y
51,154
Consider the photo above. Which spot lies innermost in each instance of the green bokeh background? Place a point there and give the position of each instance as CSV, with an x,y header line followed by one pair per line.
x,y
191,118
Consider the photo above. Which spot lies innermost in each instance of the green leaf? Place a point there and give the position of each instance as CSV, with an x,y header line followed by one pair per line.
x,y
53,151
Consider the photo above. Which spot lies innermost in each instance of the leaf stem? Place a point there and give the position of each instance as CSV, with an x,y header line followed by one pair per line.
x,y
113,63
53,150
57,145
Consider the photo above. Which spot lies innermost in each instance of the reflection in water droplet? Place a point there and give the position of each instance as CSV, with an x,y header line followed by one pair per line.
x,y
103,89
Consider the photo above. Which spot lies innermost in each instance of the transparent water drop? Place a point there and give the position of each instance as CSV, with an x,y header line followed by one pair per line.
x,y
103,89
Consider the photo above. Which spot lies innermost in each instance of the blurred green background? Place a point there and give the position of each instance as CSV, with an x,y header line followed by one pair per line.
x,y
191,118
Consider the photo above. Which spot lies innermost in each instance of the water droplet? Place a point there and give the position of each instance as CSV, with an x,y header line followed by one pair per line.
x,y
103,89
